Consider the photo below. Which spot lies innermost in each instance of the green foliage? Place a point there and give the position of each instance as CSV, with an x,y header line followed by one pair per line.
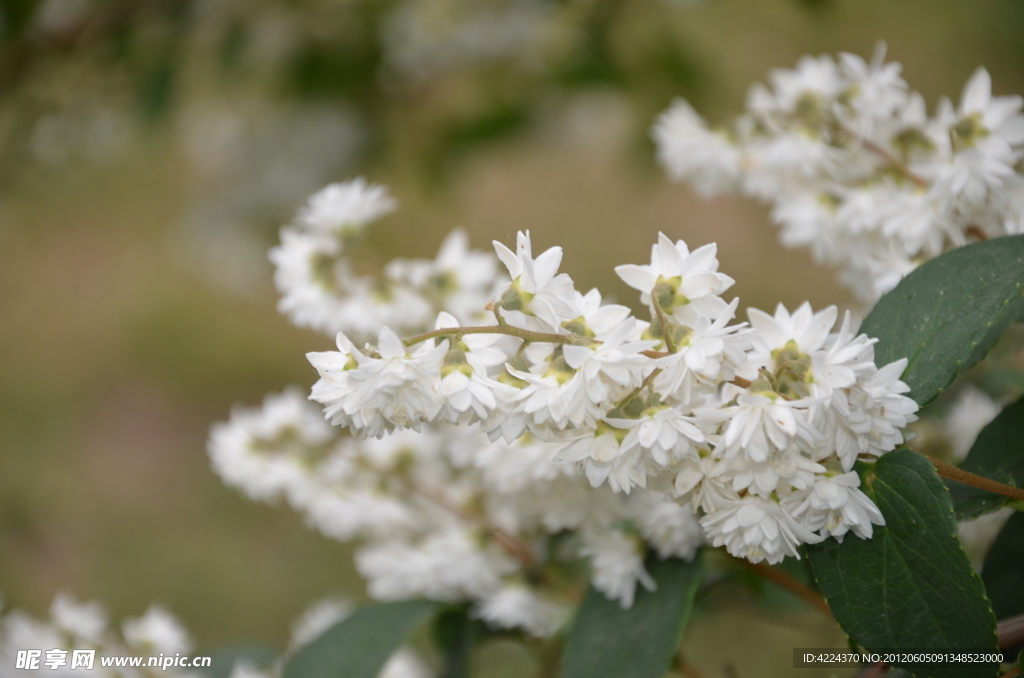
x,y
1003,572
911,585
945,315
456,635
998,453
358,646
609,642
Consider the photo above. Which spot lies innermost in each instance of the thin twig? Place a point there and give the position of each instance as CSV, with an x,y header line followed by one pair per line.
x,y
1011,632
660,315
680,666
876,670
976,232
510,330
514,547
967,478
885,155
787,582
893,162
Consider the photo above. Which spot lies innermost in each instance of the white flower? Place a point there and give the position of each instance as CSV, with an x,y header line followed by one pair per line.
x,y
157,631
517,606
834,506
374,395
870,418
877,88
405,663
448,566
261,450
87,621
349,205
617,566
685,285
689,151
972,411
757,529
761,424
672,530
597,452
763,478
317,618
706,354
664,435
459,280
814,77
537,290
464,384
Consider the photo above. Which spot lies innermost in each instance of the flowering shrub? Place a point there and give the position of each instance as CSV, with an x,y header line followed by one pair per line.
x,y
499,444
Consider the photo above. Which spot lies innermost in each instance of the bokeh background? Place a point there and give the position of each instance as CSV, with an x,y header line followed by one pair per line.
x,y
150,150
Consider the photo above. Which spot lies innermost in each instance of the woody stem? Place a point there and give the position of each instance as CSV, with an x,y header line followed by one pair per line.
x,y
967,478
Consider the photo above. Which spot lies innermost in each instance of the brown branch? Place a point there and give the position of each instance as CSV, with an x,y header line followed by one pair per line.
x,y
510,330
976,232
967,478
876,670
893,162
680,666
780,578
513,546
1011,632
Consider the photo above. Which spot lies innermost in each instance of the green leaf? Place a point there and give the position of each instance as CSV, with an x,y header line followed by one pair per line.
x,y
998,453
910,586
223,660
358,646
1003,571
455,634
945,315
609,642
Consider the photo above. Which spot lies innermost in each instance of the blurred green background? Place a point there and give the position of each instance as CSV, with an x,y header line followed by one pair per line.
x,y
150,149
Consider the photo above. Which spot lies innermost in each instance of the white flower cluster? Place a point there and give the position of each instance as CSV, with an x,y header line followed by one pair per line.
x,y
856,170
324,289
448,515
602,438
86,626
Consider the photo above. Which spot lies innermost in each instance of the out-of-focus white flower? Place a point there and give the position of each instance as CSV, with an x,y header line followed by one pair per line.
x,y
972,411
349,205
86,620
617,566
317,618
157,631
517,606
261,451
691,152
855,169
